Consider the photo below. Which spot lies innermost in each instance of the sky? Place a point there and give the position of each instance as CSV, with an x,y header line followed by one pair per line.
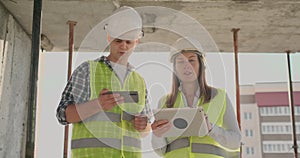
x,y
155,68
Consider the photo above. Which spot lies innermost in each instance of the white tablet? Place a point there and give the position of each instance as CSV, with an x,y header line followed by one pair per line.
x,y
184,121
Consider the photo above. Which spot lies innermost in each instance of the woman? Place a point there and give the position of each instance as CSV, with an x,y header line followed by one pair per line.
x,y
189,89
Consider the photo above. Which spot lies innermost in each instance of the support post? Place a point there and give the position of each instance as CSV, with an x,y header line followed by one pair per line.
x,y
237,85
235,44
291,103
71,48
35,51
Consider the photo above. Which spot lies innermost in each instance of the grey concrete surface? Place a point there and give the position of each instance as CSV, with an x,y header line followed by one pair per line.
x,y
14,80
266,25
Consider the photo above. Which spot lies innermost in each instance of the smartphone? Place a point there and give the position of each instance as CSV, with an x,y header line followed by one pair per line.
x,y
129,96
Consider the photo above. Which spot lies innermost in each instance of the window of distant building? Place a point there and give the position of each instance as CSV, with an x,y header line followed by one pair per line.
x,y
277,147
278,128
249,133
297,110
276,111
247,150
250,150
247,115
286,110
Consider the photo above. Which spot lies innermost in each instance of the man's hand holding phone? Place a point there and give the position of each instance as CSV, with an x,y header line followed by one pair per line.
x,y
109,100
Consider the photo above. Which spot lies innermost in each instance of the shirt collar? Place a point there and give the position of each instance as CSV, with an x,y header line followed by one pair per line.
x,y
108,63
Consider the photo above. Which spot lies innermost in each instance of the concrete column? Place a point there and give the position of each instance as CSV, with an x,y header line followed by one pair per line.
x,y
14,80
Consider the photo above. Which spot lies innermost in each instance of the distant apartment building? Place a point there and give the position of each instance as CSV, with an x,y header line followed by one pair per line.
x,y
266,120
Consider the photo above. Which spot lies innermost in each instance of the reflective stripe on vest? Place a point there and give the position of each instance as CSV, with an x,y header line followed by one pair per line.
x,y
110,116
201,148
103,142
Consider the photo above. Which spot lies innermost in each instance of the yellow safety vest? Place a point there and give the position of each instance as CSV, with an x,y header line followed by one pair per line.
x,y
110,133
201,147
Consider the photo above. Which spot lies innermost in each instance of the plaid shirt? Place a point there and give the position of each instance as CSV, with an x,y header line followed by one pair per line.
x,y
77,90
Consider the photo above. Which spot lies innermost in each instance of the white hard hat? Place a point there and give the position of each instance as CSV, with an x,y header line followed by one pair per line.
x,y
125,23
185,44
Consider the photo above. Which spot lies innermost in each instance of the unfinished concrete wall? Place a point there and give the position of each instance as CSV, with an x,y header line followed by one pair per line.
x,y
15,51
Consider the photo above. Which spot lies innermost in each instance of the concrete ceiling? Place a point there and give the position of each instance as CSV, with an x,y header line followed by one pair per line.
x,y
265,25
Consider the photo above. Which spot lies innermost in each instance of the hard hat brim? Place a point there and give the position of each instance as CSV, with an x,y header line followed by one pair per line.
x,y
174,54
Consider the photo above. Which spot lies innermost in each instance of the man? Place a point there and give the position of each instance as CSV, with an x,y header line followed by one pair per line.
x,y
105,124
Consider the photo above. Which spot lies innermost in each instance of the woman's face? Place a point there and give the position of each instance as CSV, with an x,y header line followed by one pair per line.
x,y
187,66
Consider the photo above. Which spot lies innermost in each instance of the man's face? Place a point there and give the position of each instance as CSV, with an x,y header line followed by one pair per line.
x,y
121,49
